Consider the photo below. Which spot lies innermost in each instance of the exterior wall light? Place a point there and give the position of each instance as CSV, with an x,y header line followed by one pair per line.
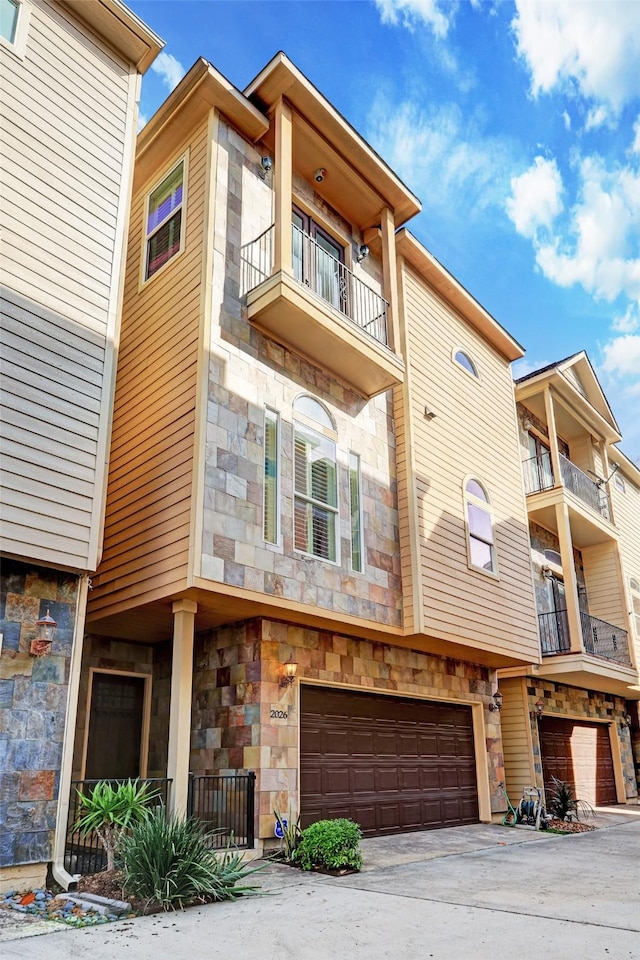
x,y
363,251
538,709
266,163
46,632
625,721
289,675
497,702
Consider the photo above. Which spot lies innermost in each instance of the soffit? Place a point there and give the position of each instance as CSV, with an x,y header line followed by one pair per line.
x,y
123,30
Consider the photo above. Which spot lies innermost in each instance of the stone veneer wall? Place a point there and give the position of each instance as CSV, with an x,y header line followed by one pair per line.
x,y
236,686
247,371
561,700
33,706
542,540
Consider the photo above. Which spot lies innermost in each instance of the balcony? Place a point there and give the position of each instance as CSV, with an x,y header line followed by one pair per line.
x,y
322,311
538,476
599,638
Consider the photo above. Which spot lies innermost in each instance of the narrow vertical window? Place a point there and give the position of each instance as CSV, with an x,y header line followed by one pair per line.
x,y
271,525
481,545
9,10
316,489
165,222
355,493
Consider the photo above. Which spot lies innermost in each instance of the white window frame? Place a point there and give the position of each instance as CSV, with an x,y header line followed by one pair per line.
x,y
474,376
270,412
146,236
307,423
19,46
357,469
470,498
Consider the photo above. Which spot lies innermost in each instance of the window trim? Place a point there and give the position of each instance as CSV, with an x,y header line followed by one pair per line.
x,y
144,279
278,426
454,356
307,423
19,46
486,505
357,470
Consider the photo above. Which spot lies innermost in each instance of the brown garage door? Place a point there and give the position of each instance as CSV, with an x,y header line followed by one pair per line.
x,y
389,763
579,753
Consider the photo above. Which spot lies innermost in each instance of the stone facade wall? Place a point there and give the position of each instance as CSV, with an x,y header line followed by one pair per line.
x,y
542,540
33,705
560,700
248,371
236,687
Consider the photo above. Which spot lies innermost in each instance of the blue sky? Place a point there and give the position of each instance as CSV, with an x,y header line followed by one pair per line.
x,y
517,125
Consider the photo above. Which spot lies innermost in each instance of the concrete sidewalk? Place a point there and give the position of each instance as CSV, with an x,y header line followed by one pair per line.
x,y
539,898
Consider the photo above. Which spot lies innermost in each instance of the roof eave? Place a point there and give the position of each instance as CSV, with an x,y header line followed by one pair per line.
x,y
121,28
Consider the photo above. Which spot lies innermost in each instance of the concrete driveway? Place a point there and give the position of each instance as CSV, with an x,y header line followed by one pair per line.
x,y
493,893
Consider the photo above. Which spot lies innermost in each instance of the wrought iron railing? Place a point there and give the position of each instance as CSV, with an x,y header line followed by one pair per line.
x,y
538,473
584,487
604,639
226,805
322,273
554,633
84,854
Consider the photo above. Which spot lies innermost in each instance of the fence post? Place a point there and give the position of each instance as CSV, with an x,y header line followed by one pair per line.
x,y
251,795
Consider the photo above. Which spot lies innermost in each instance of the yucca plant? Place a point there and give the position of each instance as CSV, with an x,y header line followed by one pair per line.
x,y
291,833
564,805
169,861
110,810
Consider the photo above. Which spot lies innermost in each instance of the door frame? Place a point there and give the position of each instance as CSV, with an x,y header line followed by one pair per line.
x,y
146,716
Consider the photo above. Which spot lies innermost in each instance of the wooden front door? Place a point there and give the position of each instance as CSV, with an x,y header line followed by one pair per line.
x,y
115,727
389,763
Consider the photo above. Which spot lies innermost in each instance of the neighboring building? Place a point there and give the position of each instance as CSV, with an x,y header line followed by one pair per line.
x,y
71,78
573,715
278,488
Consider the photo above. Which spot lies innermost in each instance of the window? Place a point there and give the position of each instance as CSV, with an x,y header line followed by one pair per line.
x,y
164,227
465,361
315,484
318,260
355,494
14,21
618,479
553,556
635,604
271,497
481,546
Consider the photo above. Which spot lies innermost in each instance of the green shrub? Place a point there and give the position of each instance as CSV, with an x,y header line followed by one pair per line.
x,y
291,834
330,845
169,861
562,803
109,810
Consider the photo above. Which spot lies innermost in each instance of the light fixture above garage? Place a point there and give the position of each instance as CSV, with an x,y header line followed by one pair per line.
x,y
289,674
497,702
46,632
538,709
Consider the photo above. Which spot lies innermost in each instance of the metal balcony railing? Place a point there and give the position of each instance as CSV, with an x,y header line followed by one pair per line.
x,y
326,276
554,633
604,639
538,475
584,487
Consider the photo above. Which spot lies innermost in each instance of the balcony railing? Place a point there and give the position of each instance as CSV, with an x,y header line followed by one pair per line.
x,y
604,639
317,269
599,638
584,487
554,633
538,475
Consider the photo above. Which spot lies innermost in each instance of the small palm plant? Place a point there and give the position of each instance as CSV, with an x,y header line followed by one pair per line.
x,y
110,810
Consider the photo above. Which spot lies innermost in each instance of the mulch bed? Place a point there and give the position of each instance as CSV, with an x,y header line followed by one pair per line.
x,y
110,884
562,826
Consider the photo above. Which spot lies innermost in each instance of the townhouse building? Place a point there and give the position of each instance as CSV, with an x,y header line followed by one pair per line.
x,y
574,714
71,79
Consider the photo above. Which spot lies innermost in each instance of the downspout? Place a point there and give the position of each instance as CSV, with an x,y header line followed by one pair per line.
x,y
60,875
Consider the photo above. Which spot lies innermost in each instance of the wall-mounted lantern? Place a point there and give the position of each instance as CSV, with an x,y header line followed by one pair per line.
x,y
46,632
497,702
290,669
538,709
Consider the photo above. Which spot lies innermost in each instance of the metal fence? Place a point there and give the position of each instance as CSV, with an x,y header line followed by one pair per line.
x,y
584,487
538,473
554,633
225,804
84,854
604,639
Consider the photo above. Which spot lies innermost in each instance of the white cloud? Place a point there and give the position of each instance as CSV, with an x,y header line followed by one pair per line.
x,y
414,13
597,117
536,199
520,368
592,48
168,69
567,120
443,154
629,321
621,356
142,121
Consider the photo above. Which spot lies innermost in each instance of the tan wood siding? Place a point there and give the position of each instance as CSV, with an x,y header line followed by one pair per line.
x,y
516,737
627,513
602,580
581,451
147,525
473,434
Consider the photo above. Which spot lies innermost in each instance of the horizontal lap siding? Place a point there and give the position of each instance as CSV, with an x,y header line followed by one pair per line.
x,y
64,130
150,474
516,737
627,516
473,433
602,581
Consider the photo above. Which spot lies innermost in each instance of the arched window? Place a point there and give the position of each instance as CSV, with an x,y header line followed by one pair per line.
x,y
315,481
464,360
480,539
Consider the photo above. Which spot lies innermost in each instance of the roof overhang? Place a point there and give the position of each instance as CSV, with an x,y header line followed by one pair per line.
x,y
121,28
446,285
281,79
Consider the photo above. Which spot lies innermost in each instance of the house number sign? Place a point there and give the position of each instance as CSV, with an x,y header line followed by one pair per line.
x,y
279,714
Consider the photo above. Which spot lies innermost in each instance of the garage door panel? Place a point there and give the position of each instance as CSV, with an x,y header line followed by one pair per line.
x,y
580,753
385,794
